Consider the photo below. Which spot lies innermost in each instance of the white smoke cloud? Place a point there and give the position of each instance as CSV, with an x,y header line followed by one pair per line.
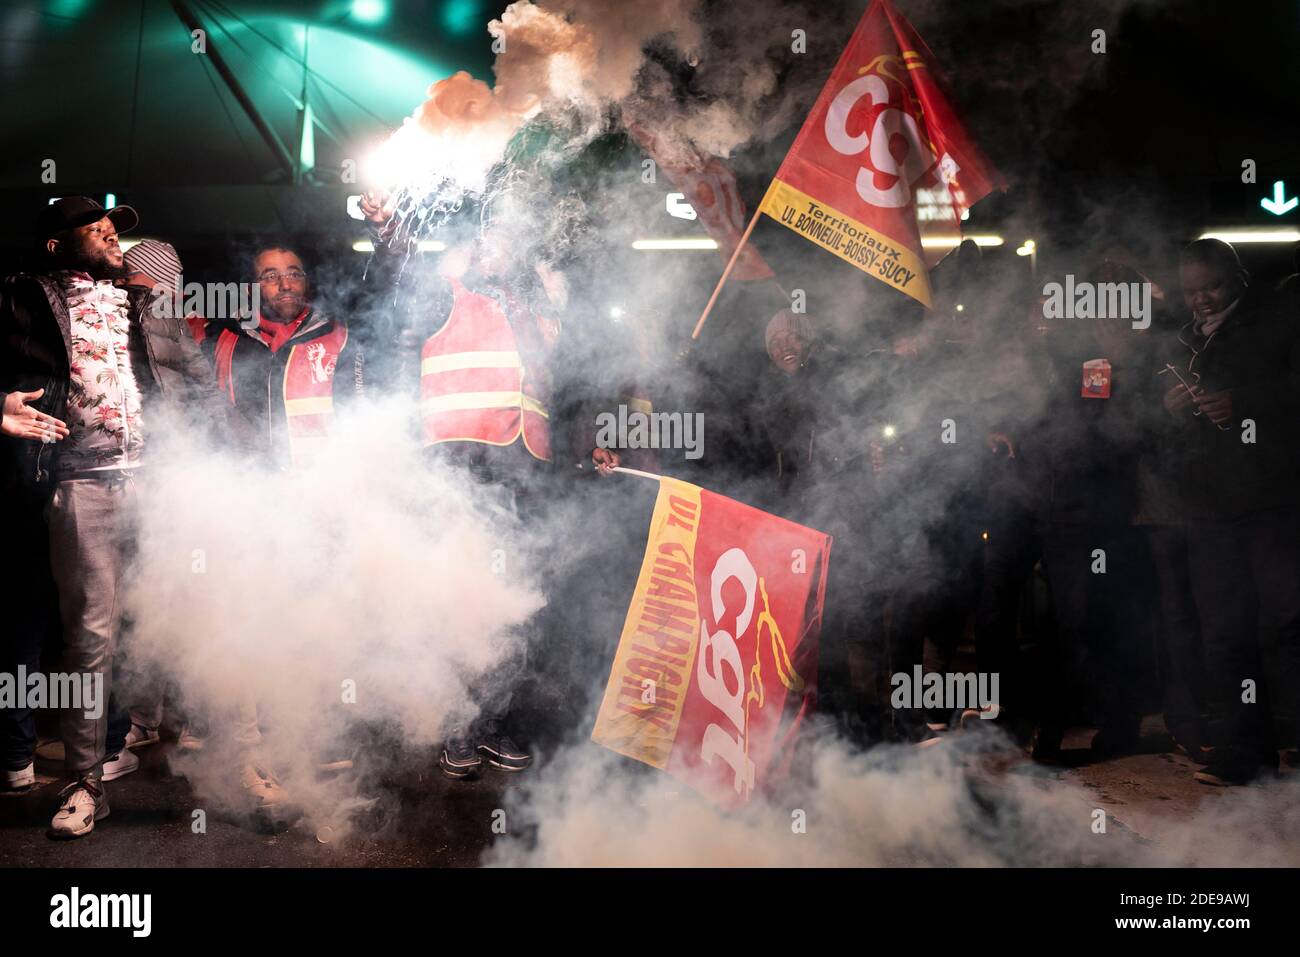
x,y
892,806
367,572
971,802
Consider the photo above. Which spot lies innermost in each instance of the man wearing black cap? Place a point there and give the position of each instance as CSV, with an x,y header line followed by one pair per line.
x,y
80,361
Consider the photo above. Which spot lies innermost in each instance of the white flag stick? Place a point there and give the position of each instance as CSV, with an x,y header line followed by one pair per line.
x,y
649,475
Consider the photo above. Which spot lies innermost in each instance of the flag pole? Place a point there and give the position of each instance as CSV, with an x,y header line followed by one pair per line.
x,y
637,472
731,264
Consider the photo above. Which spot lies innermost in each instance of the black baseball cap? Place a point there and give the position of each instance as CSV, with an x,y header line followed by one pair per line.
x,y
73,211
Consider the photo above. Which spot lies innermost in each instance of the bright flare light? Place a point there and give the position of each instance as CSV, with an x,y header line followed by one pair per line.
x,y
424,164
659,244
1252,235
369,11
952,242
424,246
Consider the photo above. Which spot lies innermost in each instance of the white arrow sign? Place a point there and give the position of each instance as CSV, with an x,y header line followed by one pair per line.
x,y
1279,204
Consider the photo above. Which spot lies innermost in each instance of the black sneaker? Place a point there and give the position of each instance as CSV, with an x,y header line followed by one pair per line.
x,y
1113,742
459,758
1045,746
499,750
1230,773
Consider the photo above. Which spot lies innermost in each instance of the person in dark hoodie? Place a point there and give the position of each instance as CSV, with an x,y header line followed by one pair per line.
x,y
817,412
1236,401
1104,389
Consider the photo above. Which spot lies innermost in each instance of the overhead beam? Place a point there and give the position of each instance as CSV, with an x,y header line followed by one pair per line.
x,y
277,148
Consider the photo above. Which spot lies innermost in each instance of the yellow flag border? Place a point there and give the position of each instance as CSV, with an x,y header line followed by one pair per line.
x,y
616,728
781,196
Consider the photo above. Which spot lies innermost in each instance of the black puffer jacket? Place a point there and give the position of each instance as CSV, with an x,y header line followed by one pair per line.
x,y
35,332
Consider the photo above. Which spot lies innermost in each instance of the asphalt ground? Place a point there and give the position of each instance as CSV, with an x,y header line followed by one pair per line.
x,y
425,819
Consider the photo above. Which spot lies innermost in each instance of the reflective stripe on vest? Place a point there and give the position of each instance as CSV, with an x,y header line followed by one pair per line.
x,y
225,362
475,386
309,392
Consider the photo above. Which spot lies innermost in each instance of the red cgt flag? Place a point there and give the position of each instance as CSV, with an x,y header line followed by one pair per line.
x,y
882,170
717,661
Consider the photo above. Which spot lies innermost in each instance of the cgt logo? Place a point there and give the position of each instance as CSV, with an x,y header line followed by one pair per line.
x,y
720,667
891,130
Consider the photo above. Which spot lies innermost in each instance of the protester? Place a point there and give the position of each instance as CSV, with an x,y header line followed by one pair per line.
x,y
288,372
156,266
810,404
82,364
1009,386
1236,402
1093,558
933,450
1161,519
486,327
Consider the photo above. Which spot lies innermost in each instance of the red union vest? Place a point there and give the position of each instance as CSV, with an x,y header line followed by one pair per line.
x,y
476,380
307,388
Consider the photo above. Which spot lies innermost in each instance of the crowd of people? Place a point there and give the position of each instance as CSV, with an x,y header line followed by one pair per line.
x,y
1103,507
1144,478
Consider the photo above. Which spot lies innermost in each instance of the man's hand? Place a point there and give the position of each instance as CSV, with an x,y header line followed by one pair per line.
x,y
1178,400
22,421
375,206
555,285
605,461
996,440
1217,405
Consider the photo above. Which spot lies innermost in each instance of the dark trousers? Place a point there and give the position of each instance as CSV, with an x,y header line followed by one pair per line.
x,y
32,620
1100,628
853,635
511,487
1010,552
1245,579
32,634
930,610
1178,634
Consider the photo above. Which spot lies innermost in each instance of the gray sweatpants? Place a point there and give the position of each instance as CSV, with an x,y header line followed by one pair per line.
x,y
91,526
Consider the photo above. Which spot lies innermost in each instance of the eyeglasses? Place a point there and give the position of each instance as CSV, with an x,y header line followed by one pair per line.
x,y
272,276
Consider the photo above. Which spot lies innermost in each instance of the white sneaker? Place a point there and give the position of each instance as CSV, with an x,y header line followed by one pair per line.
x,y
84,803
20,780
120,765
266,800
262,787
189,740
141,737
